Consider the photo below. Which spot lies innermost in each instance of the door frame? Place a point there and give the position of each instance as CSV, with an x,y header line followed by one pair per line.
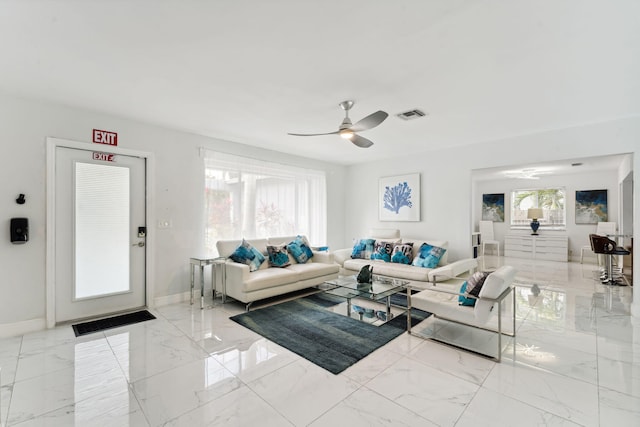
x,y
50,235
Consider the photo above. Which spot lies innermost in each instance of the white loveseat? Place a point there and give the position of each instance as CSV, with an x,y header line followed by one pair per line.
x,y
266,282
419,277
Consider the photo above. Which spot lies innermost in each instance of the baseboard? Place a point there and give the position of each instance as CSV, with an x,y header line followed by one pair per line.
x,y
21,328
172,299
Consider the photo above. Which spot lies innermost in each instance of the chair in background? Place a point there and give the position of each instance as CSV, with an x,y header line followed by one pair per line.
x,y
486,236
607,247
602,229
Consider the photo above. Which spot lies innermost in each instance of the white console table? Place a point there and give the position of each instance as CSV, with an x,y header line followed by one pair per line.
x,y
549,247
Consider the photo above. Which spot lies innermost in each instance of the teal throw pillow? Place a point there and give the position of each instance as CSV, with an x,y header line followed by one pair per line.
x,y
304,244
382,251
428,256
402,253
300,250
247,254
462,300
362,249
278,256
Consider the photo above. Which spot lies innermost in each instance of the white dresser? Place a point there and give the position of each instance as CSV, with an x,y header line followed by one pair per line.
x,y
550,247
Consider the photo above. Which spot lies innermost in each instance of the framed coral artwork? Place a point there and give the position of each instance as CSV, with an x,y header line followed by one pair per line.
x,y
399,198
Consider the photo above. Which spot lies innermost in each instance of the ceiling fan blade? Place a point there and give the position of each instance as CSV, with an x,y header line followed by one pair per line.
x,y
313,134
371,121
361,142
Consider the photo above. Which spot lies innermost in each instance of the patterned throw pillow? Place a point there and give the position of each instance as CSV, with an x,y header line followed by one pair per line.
x,y
278,256
363,248
428,256
382,250
300,250
475,282
402,253
247,254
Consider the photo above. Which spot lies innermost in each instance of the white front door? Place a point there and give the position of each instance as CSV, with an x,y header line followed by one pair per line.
x,y
99,233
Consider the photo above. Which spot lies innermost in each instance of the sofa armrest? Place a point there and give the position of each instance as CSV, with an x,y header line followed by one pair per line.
x,y
236,272
341,255
323,257
453,270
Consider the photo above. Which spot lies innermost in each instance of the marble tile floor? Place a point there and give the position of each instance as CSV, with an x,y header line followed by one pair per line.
x,y
575,362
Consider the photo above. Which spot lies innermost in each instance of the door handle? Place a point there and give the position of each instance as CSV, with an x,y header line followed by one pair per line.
x,y
139,244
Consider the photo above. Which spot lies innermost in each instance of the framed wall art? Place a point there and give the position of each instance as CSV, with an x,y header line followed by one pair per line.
x,y
399,198
493,207
591,206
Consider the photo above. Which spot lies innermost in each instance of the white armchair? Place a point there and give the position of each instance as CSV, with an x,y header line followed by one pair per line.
x,y
441,300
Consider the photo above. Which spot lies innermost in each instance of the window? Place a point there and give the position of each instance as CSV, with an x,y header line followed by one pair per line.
x,y
247,198
550,200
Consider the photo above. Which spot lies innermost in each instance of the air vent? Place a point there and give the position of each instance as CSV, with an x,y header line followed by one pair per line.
x,y
412,114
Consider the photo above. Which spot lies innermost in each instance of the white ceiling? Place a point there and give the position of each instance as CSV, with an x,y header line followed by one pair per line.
x,y
536,171
251,71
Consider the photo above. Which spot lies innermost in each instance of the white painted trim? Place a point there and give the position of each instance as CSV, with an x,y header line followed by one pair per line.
x,y
21,328
172,299
52,144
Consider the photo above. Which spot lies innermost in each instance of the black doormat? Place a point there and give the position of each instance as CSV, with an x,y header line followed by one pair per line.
x,y
111,322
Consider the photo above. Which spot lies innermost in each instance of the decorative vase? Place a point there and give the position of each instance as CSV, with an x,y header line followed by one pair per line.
x,y
534,226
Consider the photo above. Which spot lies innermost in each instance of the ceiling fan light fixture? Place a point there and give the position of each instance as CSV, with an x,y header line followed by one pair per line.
x,y
347,134
348,130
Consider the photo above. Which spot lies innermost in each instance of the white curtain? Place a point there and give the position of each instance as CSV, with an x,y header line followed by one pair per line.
x,y
249,198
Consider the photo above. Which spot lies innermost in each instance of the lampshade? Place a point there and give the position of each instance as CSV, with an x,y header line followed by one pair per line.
x,y
534,213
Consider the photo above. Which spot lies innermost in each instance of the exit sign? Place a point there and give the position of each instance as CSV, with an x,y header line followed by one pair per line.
x,y
105,137
105,157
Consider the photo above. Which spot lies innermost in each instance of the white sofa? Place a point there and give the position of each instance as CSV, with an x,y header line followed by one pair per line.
x,y
266,282
419,277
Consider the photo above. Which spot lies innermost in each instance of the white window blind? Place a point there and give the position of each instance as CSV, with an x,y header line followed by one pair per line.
x,y
249,198
101,230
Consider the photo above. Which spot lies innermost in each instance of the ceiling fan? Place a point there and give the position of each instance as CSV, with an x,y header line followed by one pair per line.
x,y
347,130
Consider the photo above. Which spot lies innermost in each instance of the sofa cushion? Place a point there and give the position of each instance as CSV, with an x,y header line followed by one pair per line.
x,y
278,255
399,271
428,256
402,253
245,253
362,249
382,250
312,270
269,278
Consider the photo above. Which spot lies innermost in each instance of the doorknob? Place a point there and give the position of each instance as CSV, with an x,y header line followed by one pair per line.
x,y
139,244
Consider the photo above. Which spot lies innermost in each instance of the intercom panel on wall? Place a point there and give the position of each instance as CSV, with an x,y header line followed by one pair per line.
x,y
19,230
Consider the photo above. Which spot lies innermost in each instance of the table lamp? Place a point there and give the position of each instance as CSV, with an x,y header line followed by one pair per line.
x,y
533,214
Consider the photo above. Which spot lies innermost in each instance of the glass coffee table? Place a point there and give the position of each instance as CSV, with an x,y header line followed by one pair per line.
x,y
370,302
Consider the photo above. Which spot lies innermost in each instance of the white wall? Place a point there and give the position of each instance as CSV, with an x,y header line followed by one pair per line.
x,y
446,179
578,233
24,126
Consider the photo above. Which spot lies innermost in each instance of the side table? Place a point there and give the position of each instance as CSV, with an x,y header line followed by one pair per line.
x,y
202,263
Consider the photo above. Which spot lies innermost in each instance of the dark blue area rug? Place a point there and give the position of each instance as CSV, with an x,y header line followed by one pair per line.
x,y
330,340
